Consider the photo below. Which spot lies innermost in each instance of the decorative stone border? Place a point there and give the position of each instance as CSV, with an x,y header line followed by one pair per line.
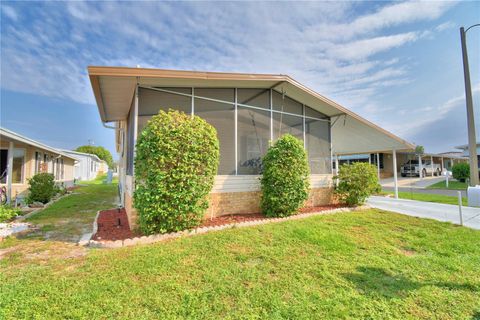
x,y
162,237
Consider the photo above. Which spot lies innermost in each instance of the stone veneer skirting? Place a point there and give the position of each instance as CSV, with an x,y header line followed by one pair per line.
x,y
224,203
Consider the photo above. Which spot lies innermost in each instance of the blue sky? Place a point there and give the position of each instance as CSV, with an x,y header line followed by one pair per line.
x,y
397,64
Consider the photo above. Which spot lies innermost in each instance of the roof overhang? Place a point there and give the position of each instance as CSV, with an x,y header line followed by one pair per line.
x,y
7,135
114,88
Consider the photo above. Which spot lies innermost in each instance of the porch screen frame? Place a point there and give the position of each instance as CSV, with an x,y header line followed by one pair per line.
x,y
236,104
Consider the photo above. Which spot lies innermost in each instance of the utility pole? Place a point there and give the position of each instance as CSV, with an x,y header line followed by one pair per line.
x,y
472,139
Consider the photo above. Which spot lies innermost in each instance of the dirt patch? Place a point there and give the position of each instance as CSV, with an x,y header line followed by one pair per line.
x,y
407,252
113,225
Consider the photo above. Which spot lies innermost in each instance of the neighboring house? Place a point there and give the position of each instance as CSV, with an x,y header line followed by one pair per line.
x,y
445,161
465,151
88,166
248,111
22,158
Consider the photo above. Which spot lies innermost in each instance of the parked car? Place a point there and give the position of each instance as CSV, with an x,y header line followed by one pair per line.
x,y
412,168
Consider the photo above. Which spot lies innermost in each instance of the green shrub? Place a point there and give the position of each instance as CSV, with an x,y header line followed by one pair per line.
x,y
41,188
175,167
285,180
7,213
356,182
461,171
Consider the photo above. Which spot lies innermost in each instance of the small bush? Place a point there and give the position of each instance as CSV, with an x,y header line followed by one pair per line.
x,y
356,182
285,180
461,171
41,188
175,167
8,213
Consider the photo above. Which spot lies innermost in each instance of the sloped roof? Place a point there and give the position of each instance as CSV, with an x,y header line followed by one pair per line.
x,y
114,89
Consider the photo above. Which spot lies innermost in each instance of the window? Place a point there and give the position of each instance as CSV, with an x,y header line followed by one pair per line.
x,y
284,123
17,169
317,142
309,112
373,159
45,163
254,97
38,162
62,170
253,136
151,102
222,117
283,103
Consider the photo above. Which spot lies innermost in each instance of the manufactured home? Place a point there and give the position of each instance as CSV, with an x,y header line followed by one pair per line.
x,y
22,158
249,111
88,166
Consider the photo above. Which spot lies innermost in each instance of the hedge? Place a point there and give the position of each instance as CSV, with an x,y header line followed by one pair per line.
x,y
176,162
285,180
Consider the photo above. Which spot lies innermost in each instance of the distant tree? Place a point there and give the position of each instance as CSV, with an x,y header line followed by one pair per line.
x,y
100,152
419,150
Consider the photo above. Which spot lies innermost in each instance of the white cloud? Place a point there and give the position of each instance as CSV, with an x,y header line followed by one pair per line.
x,y
444,26
364,48
313,42
9,12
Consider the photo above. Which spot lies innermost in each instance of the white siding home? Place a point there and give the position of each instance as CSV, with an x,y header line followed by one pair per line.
x,y
88,166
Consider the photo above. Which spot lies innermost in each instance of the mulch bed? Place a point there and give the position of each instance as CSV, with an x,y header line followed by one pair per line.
x,y
113,224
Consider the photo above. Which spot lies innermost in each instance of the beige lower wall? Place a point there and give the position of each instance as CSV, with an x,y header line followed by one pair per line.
x,y
239,203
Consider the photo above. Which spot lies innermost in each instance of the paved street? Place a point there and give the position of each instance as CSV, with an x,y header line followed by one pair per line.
x,y
437,211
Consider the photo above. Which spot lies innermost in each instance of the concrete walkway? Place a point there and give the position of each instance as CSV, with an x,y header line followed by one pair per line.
x,y
436,211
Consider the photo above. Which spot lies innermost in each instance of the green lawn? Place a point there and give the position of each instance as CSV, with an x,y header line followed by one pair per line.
x,y
369,264
452,185
437,198
72,216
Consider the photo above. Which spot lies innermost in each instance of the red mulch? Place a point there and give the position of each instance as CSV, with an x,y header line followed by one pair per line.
x,y
237,218
113,223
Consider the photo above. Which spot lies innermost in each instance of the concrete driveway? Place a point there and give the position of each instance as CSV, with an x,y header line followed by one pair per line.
x,y
436,211
411,182
417,185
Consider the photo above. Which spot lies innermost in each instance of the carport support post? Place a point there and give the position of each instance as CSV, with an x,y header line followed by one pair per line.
x,y
9,172
378,165
431,164
420,167
443,166
336,164
395,182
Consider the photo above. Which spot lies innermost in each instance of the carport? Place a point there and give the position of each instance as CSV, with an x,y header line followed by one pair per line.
x,y
352,135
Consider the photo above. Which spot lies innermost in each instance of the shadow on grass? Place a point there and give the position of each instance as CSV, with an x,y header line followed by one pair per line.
x,y
378,282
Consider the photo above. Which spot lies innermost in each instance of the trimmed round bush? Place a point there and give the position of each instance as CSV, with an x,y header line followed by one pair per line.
x,y
285,180
176,162
356,182
41,188
461,171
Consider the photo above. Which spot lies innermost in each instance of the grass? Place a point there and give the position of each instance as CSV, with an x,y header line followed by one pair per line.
x,y
72,216
366,264
437,198
452,185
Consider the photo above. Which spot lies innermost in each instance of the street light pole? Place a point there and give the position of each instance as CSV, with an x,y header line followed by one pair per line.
x,y
472,139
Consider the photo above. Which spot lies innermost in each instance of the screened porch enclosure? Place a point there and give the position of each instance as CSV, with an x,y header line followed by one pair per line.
x,y
246,120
